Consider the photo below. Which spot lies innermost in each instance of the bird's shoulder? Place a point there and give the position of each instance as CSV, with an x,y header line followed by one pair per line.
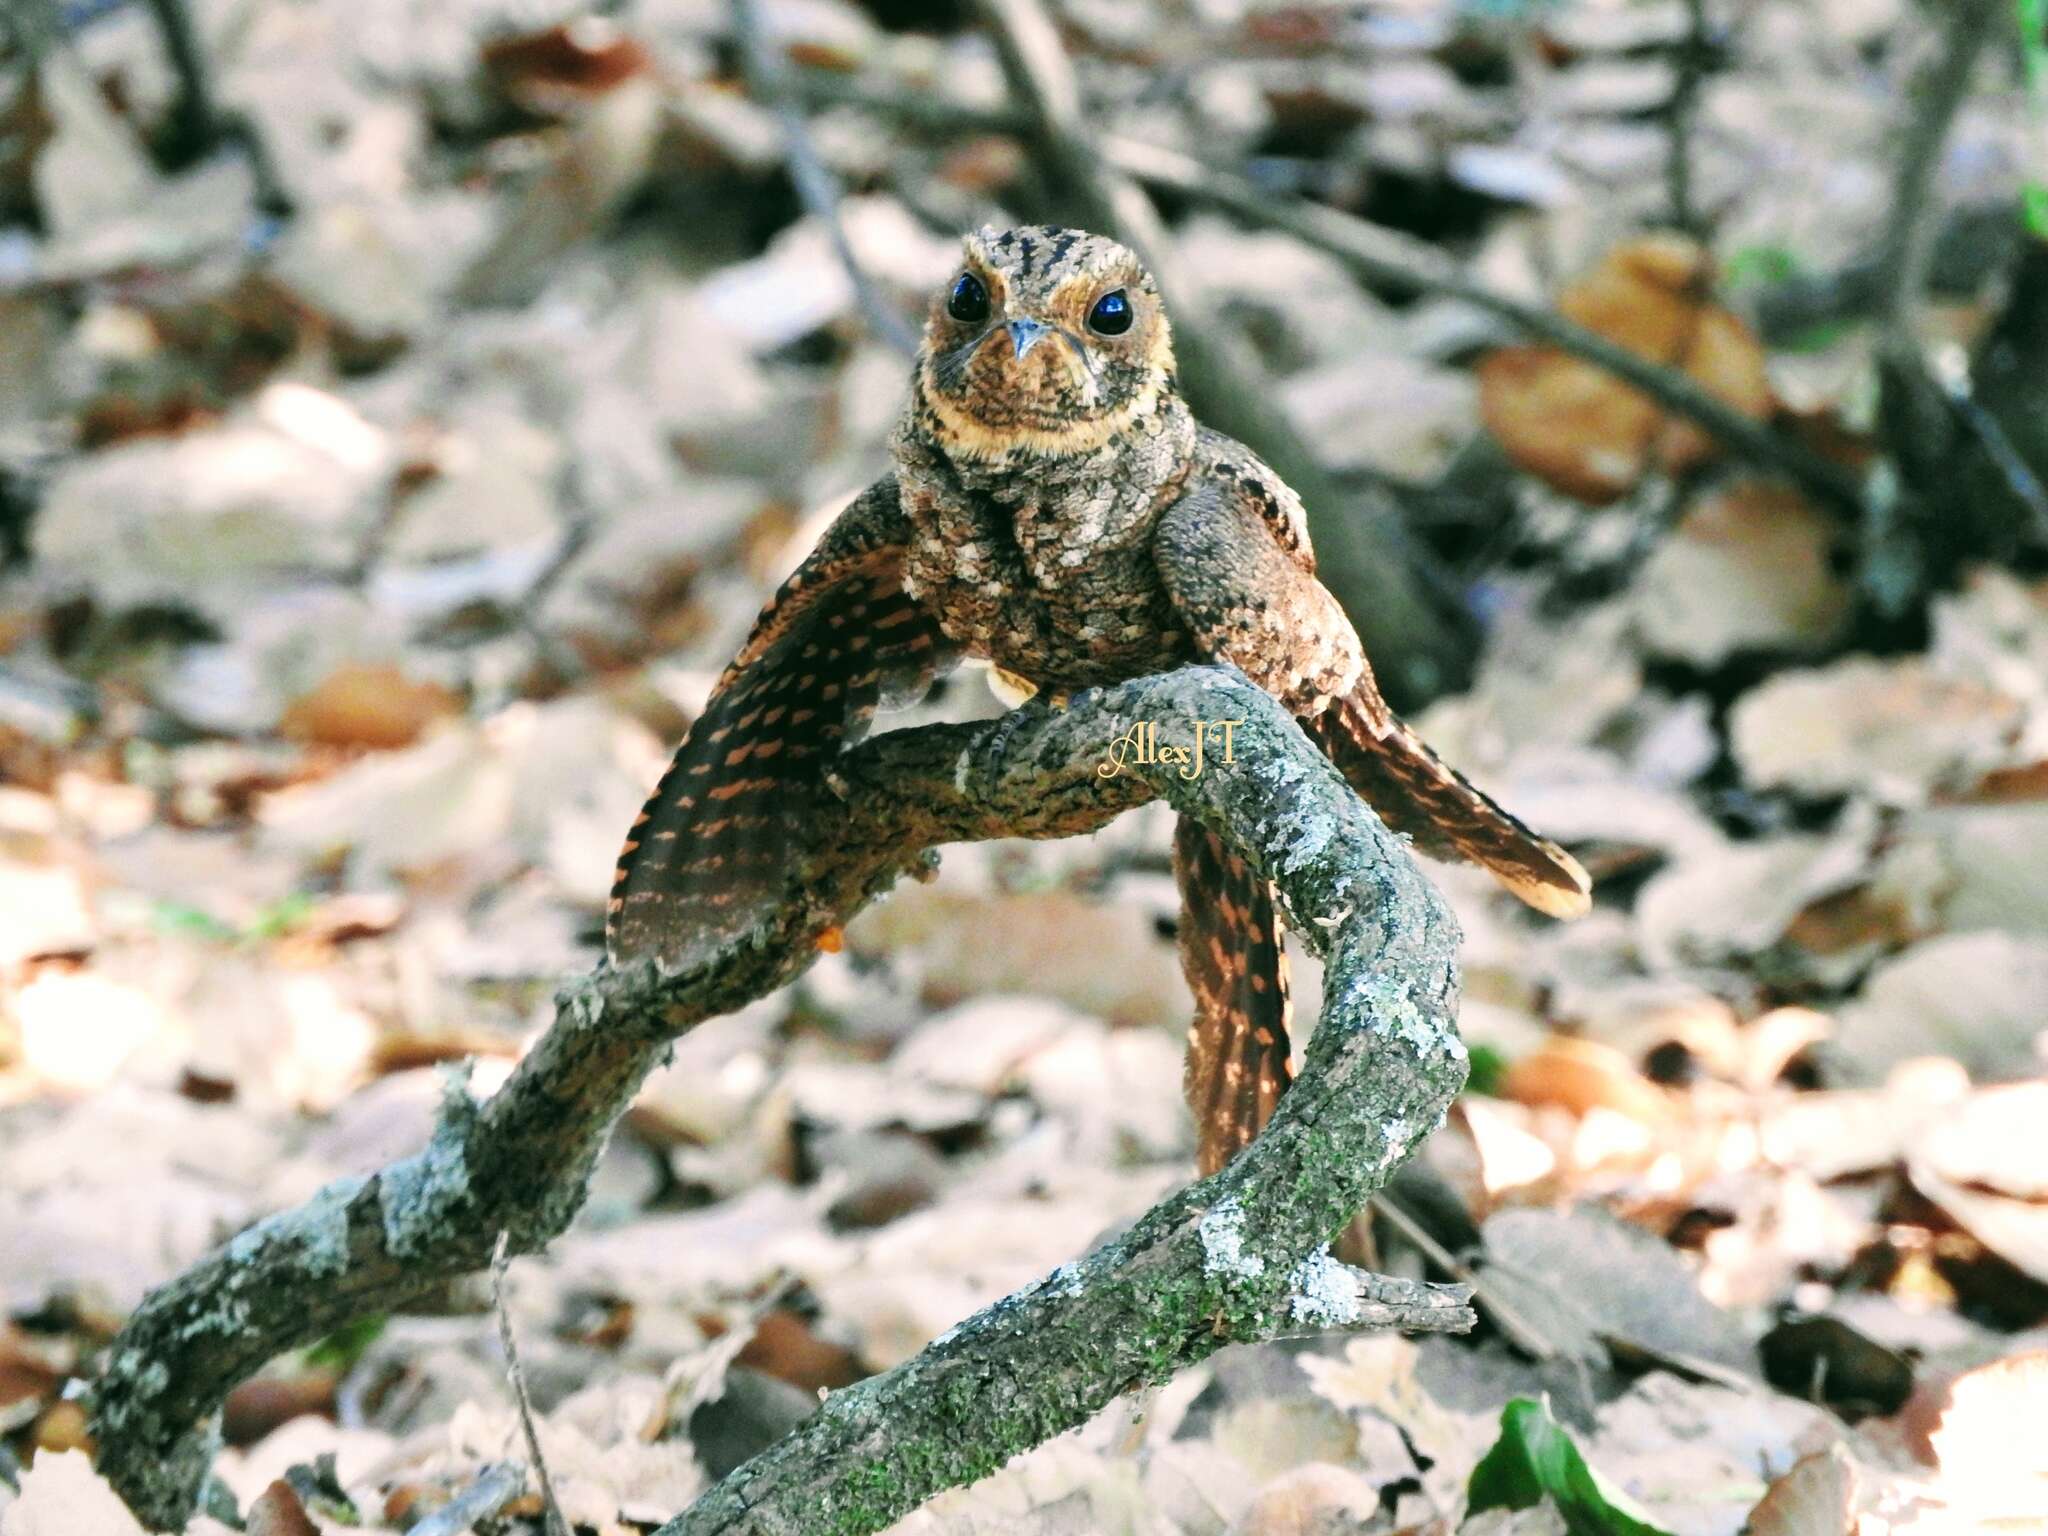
x,y
1222,466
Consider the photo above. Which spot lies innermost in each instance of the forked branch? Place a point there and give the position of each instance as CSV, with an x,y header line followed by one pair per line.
x,y
1240,1256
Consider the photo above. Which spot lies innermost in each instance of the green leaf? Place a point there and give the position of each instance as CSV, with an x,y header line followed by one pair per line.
x,y
178,917
2033,15
1535,1459
1489,1071
1758,266
340,1350
281,917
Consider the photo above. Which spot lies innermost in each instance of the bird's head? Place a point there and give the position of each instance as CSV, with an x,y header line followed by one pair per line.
x,y
1047,342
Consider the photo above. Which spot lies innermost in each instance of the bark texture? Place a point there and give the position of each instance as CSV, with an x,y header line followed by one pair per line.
x,y
1237,1257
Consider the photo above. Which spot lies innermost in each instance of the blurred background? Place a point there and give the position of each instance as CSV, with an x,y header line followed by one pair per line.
x,y
405,405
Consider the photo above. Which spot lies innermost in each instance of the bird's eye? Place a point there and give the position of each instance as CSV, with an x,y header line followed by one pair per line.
x,y
1112,314
969,300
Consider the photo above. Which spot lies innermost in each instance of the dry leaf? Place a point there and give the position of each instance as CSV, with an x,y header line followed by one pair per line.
x,y
1601,1277
1989,1445
1895,730
1699,1456
367,705
1310,1500
1816,1498
1985,1162
279,1513
1993,1141
1584,431
1976,997
61,1495
1827,1135
1987,864
1746,569
1581,1075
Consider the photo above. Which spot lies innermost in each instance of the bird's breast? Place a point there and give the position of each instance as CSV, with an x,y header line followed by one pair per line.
x,y
1056,593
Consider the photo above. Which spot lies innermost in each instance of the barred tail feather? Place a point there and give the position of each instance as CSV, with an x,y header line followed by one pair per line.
x,y
1230,948
1418,793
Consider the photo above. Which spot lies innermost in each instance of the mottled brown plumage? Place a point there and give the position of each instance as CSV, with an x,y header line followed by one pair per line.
x,y
1055,509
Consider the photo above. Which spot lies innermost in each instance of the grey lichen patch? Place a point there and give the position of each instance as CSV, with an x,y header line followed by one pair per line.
x,y
323,1228
1062,1282
1398,1133
314,1237
1324,1293
1306,848
1224,1253
425,1196
1386,1006
142,1373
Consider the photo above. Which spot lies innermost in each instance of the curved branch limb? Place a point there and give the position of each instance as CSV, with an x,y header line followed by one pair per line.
x,y
1237,1257
1240,1256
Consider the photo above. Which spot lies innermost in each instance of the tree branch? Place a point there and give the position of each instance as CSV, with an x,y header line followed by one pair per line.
x,y
1909,234
1681,118
1390,259
1384,258
195,125
767,76
1239,1256
1911,539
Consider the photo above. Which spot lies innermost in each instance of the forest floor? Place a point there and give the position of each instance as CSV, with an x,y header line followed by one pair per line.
x,y
365,560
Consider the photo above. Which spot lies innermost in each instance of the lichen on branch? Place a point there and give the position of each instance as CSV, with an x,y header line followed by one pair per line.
x,y
1241,1256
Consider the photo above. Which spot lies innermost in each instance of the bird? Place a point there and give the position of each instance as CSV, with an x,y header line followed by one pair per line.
x,y
1054,508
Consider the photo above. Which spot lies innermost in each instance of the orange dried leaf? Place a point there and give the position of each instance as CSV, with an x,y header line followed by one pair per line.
x,y
1582,1075
1582,430
367,705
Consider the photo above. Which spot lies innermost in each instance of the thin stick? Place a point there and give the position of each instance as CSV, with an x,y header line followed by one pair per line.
x,y
2021,483
1384,258
500,1261
498,1486
1387,258
195,124
817,188
1909,235
1684,111
1522,1333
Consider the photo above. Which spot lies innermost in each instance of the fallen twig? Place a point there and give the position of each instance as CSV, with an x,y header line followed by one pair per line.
x,y
767,77
1680,119
490,1493
522,1399
195,125
1386,258
1910,229
1909,540
1239,1256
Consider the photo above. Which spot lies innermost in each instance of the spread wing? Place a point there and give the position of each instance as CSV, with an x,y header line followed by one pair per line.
x,y
745,797
1233,557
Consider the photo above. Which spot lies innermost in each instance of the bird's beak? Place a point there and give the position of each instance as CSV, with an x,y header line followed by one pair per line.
x,y
1026,334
